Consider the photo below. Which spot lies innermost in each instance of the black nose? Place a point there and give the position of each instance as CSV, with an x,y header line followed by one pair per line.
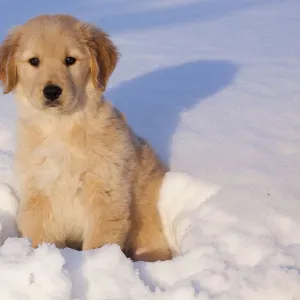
x,y
52,92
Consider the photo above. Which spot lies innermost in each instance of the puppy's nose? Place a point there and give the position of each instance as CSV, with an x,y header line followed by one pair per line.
x,y
52,92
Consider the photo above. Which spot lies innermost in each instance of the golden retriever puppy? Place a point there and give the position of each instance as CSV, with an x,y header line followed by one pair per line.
x,y
84,178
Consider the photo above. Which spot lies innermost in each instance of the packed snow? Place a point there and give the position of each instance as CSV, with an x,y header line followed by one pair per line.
x,y
214,86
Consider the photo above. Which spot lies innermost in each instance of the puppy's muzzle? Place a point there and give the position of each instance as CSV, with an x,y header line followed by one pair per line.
x,y
52,94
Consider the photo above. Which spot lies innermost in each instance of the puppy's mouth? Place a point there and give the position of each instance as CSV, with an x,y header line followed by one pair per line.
x,y
60,106
51,104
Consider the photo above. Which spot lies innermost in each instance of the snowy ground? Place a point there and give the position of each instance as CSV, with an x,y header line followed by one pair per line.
x,y
222,79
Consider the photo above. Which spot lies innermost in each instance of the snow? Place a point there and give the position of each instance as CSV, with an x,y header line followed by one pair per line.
x,y
214,86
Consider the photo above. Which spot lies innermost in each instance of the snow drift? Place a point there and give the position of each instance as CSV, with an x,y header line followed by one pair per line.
x,y
219,256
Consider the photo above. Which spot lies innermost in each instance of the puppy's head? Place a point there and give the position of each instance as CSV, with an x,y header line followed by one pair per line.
x,y
54,62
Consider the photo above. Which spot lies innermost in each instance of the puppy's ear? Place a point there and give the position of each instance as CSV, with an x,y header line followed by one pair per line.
x,y
103,54
8,69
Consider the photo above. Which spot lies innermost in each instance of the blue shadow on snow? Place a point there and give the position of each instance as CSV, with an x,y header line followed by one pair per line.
x,y
154,102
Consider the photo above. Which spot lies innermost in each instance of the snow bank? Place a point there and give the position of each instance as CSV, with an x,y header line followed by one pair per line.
x,y
8,210
219,256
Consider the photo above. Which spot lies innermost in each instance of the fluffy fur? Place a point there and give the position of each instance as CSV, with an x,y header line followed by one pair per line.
x,y
85,179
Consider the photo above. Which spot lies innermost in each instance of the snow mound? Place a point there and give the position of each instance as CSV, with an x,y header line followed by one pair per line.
x,y
8,209
180,197
219,256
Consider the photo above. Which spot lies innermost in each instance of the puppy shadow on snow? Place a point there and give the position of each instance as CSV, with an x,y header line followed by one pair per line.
x,y
154,102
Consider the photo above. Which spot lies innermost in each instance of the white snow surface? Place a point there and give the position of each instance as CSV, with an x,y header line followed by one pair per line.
x,y
214,86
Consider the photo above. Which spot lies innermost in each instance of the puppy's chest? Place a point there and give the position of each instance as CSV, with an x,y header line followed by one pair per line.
x,y
58,169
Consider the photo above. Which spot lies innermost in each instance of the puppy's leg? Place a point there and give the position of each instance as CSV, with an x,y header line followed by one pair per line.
x,y
101,231
151,255
107,215
35,222
147,241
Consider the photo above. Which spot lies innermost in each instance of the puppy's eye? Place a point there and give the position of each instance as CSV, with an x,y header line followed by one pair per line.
x,y
34,61
70,61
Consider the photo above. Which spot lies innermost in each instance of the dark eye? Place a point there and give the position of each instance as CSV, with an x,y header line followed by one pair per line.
x,y
70,61
34,61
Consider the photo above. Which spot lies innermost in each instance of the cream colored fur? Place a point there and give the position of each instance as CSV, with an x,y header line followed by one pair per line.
x,y
85,179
